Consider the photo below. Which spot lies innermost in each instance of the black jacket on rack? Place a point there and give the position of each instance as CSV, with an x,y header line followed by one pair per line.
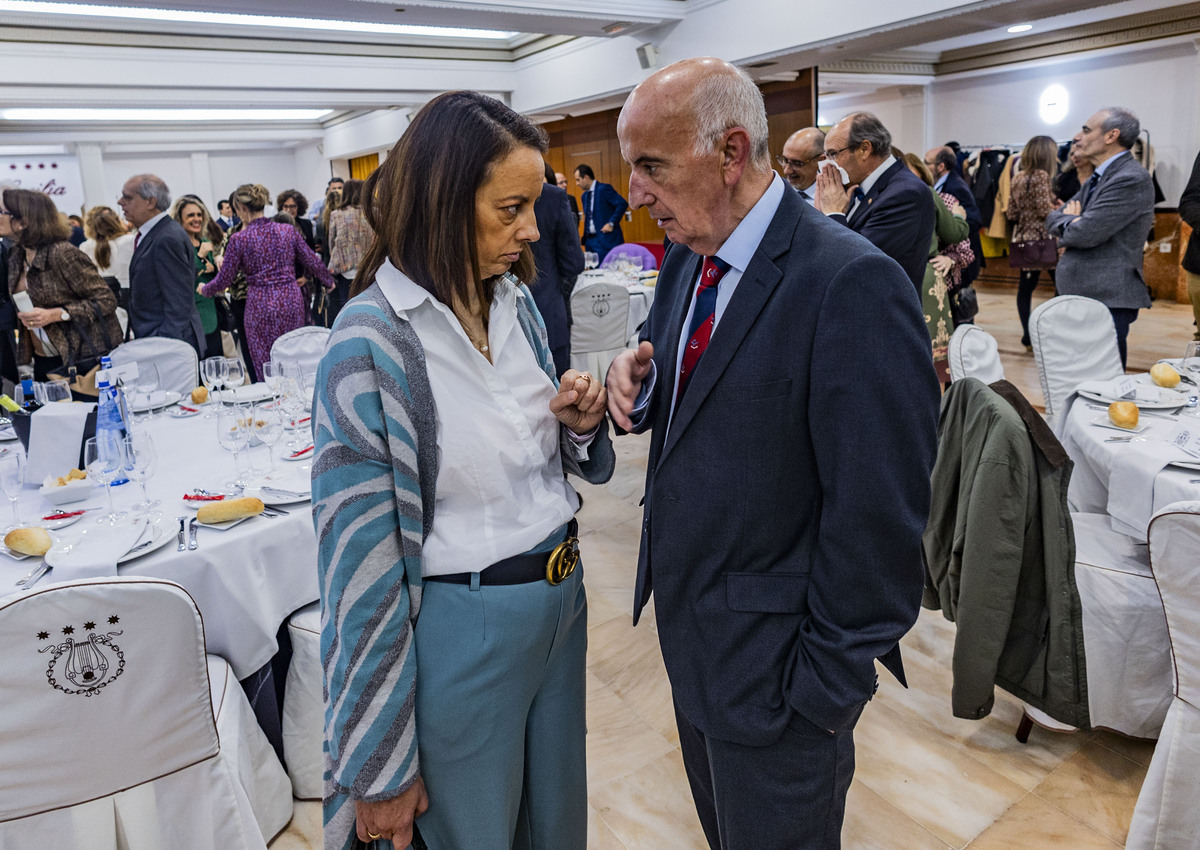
x,y
987,180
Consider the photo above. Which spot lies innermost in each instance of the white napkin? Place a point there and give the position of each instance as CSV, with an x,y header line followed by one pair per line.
x,y
93,551
1131,484
55,439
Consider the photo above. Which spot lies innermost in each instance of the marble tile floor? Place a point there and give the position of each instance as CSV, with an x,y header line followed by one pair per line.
x,y
925,780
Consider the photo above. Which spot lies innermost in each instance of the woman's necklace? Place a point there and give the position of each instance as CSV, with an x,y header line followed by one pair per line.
x,y
476,331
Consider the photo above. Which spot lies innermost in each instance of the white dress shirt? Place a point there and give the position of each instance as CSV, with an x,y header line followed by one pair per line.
x,y
500,485
869,183
120,253
148,226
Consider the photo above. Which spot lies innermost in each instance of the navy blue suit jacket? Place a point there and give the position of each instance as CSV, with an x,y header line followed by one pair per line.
x,y
559,261
897,217
608,209
784,508
962,193
162,286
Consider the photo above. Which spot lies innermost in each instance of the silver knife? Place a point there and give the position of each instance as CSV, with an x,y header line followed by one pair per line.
x,y
182,524
192,526
42,569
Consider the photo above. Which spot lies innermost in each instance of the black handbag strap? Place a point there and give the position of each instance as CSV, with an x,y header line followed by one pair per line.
x,y
86,339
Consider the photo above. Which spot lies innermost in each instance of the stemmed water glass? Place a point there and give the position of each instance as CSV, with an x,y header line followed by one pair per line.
x,y
235,374
104,459
12,479
1191,365
292,401
268,427
212,374
635,266
147,385
141,462
272,375
233,434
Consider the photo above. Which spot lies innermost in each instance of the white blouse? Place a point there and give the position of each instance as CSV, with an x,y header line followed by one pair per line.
x,y
500,485
121,253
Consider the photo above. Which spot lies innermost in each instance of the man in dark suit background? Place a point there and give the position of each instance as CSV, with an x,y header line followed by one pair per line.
x,y
603,207
559,261
560,180
225,217
162,278
783,510
886,202
1104,227
943,163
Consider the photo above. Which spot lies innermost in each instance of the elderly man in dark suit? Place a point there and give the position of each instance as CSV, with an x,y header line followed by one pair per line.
x,y
603,208
886,202
783,510
162,278
1104,227
559,261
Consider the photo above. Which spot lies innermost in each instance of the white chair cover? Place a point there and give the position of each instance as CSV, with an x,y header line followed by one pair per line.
x,y
1074,340
1166,816
974,354
177,363
1124,631
303,705
303,345
600,316
110,735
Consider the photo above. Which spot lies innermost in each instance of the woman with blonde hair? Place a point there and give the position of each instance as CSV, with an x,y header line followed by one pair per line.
x,y
268,253
206,237
109,244
1030,201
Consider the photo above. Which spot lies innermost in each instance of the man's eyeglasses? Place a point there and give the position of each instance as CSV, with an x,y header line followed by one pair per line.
x,y
784,162
7,213
835,153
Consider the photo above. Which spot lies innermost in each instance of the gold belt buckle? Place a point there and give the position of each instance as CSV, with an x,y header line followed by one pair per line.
x,y
563,560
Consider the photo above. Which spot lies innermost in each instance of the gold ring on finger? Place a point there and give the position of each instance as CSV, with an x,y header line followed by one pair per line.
x,y
374,836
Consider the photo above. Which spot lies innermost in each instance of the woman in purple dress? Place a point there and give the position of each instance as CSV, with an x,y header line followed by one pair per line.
x,y
267,253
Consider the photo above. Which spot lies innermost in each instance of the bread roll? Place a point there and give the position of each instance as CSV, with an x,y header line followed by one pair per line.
x,y
28,541
228,509
199,395
1123,414
1164,375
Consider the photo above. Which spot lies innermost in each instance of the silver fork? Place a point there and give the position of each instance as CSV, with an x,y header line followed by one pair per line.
x,y
35,576
29,575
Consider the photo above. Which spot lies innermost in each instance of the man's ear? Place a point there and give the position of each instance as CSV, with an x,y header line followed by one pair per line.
x,y
735,154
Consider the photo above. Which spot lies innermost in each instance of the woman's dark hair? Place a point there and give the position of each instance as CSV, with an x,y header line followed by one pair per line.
x,y
102,225
292,194
421,201
548,175
352,194
41,222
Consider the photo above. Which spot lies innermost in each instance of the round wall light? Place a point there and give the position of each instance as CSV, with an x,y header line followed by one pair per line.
x,y
1053,104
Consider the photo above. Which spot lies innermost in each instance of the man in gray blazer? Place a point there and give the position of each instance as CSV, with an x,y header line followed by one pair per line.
x,y
784,507
162,274
1104,226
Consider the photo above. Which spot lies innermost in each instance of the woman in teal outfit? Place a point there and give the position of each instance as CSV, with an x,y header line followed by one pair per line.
x,y
206,236
454,621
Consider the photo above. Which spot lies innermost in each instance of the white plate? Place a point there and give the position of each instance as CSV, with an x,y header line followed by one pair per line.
x,y
226,525
279,500
55,524
1101,421
141,407
158,536
195,505
7,433
304,422
287,455
180,413
252,392
1167,399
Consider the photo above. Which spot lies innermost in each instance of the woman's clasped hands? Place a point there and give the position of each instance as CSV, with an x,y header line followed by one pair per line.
x,y
580,403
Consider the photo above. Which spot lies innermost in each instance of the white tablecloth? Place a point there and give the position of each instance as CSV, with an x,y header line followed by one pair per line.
x,y
245,580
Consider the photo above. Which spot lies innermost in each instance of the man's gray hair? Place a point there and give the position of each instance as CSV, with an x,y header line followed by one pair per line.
x,y
1121,119
865,127
724,101
152,188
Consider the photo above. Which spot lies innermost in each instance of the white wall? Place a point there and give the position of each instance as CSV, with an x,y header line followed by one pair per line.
x,y
274,169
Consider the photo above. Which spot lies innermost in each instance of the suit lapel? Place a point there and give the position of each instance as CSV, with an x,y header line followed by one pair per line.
x,y
679,308
865,205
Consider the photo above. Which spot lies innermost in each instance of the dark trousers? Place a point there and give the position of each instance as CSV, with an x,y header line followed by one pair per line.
x,y
1025,287
790,795
1123,317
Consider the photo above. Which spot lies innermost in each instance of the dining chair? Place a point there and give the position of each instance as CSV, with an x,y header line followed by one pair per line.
x,y
974,354
304,706
118,731
630,249
177,363
1166,816
1074,340
303,345
600,318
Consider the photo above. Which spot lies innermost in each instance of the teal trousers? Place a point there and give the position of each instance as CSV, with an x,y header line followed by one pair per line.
x,y
501,715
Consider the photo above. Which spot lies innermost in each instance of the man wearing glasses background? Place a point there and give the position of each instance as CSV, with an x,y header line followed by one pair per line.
x,y
803,153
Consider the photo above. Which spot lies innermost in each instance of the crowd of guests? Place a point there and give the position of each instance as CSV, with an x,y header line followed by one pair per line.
x,y
73,288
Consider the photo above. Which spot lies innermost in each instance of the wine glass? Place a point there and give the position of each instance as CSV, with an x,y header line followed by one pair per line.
x,y
210,375
235,373
141,462
233,435
635,266
147,385
12,480
1191,365
268,426
273,374
104,459
56,389
292,400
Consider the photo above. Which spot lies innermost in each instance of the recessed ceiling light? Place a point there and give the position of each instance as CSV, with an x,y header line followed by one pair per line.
x,y
229,18
1021,28
98,114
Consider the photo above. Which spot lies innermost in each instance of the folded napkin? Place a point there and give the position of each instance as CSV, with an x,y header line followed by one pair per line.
x,y
94,551
55,438
1131,484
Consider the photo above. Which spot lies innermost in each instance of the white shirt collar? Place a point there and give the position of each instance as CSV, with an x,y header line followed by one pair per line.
x,y
149,225
404,294
940,182
1100,168
739,248
874,175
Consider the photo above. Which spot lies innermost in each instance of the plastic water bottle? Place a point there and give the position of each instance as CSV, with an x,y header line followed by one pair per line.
x,y
118,385
109,420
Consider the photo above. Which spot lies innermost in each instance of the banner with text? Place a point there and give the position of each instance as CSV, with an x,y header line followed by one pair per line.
x,y
55,175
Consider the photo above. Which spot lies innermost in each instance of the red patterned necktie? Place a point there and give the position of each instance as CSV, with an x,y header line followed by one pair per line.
x,y
703,316
136,239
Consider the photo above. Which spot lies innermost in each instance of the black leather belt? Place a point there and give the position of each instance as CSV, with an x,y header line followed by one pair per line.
x,y
553,567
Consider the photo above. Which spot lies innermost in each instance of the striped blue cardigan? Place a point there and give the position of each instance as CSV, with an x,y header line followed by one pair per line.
x,y
373,476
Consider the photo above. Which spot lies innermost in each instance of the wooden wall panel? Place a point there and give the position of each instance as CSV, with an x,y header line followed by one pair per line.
x,y
592,139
